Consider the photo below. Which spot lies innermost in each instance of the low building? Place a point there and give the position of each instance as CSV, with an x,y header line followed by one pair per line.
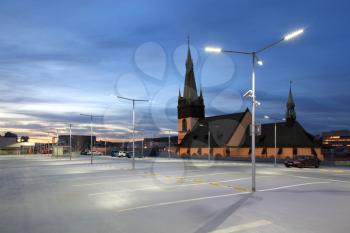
x,y
10,146
79,142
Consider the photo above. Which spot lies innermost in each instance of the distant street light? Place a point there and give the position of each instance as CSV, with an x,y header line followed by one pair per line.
x,y
267,117
207,126
91,131
133,125
70,141
255,60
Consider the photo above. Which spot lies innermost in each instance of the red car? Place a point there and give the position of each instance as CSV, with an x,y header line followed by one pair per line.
x,y
303,161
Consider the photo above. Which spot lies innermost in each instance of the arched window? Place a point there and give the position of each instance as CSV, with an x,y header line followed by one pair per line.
x,y
184,125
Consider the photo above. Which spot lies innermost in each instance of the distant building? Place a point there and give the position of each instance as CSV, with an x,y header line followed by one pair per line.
x,y
333,139
9,145
79,142
228,135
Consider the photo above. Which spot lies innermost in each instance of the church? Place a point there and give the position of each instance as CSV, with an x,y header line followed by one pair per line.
x,y
228,136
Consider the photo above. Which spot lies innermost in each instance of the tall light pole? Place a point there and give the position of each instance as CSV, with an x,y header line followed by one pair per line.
x,y
133,125
57,142
105,147
169,143
70,141
255,60
91,131
48,144
202,125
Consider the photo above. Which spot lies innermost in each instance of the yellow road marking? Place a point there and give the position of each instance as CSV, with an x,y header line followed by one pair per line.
x,y
216,184
241,189
241,227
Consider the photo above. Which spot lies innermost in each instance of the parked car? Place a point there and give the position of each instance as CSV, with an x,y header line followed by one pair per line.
x,y
83,153
303,161
114,153
94,153
124,154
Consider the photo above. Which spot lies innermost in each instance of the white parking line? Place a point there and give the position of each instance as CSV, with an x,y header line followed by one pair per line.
x,y
241,227
181,201
325,179
135,180
167,186
291,186
213,197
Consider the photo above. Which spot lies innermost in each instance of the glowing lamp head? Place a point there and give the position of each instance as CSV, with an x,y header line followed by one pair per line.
x,y
260,62
213,50
292,35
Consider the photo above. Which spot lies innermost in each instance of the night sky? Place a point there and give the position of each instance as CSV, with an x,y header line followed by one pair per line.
x,y
62,58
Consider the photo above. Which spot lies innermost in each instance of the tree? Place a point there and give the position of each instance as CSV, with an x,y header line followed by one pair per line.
x,y
10,135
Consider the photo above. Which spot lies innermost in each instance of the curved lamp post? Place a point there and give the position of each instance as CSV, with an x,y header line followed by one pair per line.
x,y
255,60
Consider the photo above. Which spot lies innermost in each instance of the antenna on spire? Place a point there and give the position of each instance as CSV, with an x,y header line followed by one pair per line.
x,y
188,41
290,83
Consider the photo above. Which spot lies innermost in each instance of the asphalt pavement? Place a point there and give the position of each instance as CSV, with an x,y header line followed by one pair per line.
x,y
40,194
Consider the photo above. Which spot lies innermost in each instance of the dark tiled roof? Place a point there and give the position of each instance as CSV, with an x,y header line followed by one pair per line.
x,y
221,130
288,135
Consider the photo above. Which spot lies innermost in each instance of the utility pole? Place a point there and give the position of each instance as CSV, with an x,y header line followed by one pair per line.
x,y
91,131
70,141
57,143
133,125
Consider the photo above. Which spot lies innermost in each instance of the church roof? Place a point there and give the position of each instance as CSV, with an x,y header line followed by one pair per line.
x,y
288,135
221,130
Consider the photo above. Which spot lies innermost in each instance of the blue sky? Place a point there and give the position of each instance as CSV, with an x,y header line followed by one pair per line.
x,y
62,58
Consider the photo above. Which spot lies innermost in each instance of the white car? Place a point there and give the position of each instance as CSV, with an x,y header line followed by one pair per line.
x,y
123,154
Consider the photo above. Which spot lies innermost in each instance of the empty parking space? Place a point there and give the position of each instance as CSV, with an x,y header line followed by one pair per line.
x,y
41,194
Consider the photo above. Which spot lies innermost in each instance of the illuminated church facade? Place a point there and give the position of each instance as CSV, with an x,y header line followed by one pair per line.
x,y
228,135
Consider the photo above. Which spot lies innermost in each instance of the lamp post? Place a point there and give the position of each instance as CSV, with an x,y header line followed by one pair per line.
x,y
57,134
133,125
169,143
255,60
105,147
275,120
70,141
91,131
202,125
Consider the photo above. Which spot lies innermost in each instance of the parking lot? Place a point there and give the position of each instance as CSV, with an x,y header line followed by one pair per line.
x,y
44,194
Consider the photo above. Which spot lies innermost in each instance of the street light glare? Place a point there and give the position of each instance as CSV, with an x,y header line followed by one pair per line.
x,y
213,50
293,34
260,63
266,117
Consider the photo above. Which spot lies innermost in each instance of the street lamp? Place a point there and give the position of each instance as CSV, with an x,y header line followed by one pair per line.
x,y
70,141
202,125
91,130
274,119
255,60
133,125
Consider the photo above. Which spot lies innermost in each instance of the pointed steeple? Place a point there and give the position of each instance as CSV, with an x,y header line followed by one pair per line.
x,y
190,104
179,93
190,89
290,114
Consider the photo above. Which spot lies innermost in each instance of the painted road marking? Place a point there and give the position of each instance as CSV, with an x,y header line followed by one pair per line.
x,y
242,227
325,179
108,182
291,186
166,186
241,189
180,201
213,197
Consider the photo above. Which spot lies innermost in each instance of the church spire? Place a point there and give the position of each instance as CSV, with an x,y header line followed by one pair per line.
x,y
190,90
290,114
